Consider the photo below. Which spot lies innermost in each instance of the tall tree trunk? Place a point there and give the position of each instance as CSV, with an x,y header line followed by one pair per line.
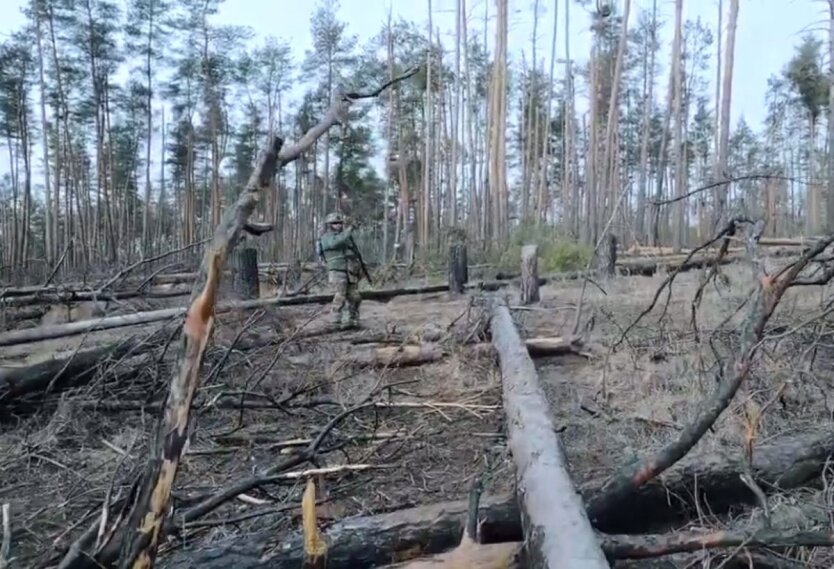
x,y
51,224
146,212
542,191
726,100
679,154
648,105
829,203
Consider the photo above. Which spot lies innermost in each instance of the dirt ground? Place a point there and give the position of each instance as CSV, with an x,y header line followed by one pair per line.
x,y
432,429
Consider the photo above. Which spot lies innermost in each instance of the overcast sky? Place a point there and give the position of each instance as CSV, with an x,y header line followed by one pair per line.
x,y
767,33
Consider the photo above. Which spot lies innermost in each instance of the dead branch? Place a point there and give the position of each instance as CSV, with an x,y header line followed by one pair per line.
x,y
766,297
127,270
646,546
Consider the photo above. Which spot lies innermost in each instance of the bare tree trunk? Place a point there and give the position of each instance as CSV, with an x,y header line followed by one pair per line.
x,y
51,224
830,193
679,154
648,104
726,99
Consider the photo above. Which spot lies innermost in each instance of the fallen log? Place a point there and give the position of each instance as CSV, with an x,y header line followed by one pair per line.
x,y
423,353
41,333
58,374
556,529
713,481
397,356
359,542
71,296
647,546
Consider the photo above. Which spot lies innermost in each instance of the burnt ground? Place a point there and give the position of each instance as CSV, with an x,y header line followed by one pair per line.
x,y
433,427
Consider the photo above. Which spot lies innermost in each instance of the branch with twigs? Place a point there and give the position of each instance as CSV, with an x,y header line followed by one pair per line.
x,y
768,291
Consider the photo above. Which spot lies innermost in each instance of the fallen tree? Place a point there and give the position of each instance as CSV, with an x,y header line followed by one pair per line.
x,y
58,374
42,333
408,354
557,532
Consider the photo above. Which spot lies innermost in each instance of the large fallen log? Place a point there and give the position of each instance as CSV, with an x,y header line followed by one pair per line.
x,y
360,542
67,296
556,529
41,333
78,368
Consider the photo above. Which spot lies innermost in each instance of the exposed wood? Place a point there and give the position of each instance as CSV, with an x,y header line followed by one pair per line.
x,y
458,268
646,546
143,526
245,273
556,529
530,274
397,356
315,548
144,523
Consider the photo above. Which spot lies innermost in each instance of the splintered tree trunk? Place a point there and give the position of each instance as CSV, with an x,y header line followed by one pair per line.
x,y
140,545
245,270
556,529
530,274
458,268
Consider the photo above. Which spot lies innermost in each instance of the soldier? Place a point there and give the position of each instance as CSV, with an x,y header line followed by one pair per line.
x,y
341,255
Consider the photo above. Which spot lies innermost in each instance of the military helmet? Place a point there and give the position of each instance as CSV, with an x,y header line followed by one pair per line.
x,y
334,217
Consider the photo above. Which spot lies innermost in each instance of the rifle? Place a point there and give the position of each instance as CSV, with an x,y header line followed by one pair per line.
x,y
355,250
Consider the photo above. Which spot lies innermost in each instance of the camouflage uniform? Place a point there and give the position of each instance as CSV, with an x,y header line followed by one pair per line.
x,y
343,272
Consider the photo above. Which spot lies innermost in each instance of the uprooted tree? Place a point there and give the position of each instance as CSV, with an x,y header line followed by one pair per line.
x,y
135,539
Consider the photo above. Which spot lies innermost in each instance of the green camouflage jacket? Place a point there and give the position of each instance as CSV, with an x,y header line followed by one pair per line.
x,y
338,249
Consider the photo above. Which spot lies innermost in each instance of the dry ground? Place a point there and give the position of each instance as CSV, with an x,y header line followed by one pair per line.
x,y
57,465
439,425
621,405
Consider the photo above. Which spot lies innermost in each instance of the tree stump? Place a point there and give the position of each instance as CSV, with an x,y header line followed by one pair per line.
x,y
529,274
245,270
458,268
608,256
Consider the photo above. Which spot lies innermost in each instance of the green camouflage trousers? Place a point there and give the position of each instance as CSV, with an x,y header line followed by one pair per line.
x,y
346,298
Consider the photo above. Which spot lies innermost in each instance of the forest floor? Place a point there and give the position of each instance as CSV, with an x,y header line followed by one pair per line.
x,y
275,377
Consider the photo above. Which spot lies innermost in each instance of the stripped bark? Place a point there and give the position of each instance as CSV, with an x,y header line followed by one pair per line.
x,y
556,528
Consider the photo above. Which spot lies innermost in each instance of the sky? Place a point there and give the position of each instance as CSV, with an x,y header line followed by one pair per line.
x,y
766,37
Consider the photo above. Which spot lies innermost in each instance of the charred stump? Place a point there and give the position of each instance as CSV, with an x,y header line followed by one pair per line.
x,y
529,274
608,260
458,268
245,270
